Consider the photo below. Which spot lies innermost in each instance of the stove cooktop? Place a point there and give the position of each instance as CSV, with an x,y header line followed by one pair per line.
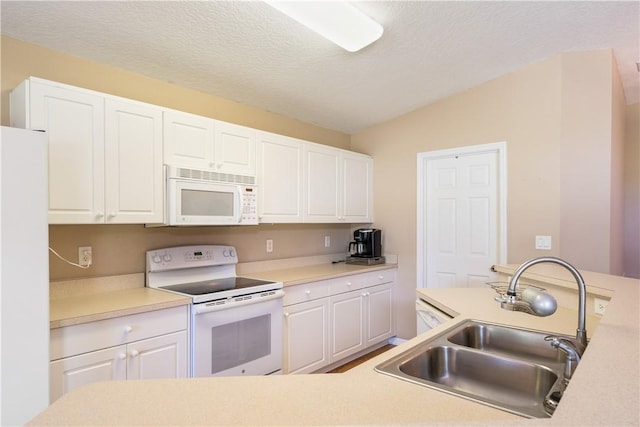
x,y
217,285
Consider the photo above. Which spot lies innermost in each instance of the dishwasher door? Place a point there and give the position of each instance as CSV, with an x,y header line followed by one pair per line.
x,y
428,317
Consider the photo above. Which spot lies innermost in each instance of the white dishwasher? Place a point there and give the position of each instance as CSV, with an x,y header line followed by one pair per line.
x,y
428,316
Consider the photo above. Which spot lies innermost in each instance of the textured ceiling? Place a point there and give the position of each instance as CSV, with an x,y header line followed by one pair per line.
x,y
249,53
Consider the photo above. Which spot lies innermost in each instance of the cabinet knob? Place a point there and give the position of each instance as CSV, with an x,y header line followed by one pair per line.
x,y
122,356
348,284
381,277
286,314
307,292
99,214
128,328
111,215
134,353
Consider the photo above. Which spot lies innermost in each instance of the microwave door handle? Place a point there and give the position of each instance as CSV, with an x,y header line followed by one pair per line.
x,y
238,207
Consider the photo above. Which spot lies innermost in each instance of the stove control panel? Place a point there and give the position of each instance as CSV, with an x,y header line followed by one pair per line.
x,y
180,257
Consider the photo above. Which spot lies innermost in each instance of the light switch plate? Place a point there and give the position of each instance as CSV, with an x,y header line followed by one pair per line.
x,y
543,242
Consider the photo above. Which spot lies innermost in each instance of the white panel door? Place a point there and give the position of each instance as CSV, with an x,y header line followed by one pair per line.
x,y
188,140
306,339
74,123
357,187
322,181
133,168
347,324
235,149
462,217
160,357
72,372
379,309
279,178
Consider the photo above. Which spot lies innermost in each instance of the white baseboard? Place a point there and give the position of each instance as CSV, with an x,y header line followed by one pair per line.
x,y
396,341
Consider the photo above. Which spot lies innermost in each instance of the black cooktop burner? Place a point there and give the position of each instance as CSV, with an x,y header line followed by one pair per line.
x,y
217,285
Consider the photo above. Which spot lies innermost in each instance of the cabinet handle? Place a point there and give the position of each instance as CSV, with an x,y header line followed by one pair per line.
x,y
99,214
128,328
111,214
134,353
122,356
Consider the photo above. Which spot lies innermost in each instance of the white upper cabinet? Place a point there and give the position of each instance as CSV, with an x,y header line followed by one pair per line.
x,y
235,149
338,185
105,162
106,157
321,183
133,162
357,187
198,142
188,140
279,178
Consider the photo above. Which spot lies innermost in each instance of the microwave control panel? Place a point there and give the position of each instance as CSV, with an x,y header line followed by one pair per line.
x,y
249,206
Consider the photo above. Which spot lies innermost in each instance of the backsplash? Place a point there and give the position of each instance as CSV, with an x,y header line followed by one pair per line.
x,y
120,249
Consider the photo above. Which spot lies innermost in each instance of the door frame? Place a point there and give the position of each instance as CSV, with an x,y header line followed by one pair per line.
x,y
500,148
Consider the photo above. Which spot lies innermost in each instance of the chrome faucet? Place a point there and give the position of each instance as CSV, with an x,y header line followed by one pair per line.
x,y
512,301
540,305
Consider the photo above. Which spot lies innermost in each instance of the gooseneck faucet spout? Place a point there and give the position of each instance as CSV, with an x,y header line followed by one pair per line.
x,y
581,332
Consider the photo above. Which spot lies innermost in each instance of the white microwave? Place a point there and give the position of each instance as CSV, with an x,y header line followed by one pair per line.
x,y
196,197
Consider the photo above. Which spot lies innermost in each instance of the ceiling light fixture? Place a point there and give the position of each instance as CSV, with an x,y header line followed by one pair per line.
x,y
337,21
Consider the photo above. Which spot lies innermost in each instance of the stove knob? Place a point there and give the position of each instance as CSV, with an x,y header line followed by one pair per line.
x,y
225,253
232,253
156,258
166,258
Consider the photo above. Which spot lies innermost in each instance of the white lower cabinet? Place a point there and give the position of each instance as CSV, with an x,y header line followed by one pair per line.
x,y
139,346
306,337
330,320
360,319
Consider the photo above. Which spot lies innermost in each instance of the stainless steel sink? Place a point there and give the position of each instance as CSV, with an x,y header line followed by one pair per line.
x,y
507,368
524,343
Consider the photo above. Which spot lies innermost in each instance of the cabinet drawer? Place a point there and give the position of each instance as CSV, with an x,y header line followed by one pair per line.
x,y
86,337
305,292
379,277
347,283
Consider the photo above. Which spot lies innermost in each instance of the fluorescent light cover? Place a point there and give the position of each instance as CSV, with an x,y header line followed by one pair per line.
x,y
337,21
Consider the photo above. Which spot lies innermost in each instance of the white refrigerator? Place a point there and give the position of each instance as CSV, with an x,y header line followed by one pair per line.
x,y
24,276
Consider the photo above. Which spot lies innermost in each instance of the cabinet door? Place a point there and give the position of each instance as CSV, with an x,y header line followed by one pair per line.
x,y
74,122
347,324
279,178
322,183
72,372
306,336
379,310
188,140
235,149
357,187
133,166
159,357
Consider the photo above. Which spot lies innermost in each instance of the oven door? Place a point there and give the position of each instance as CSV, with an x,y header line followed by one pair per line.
x,y
243,339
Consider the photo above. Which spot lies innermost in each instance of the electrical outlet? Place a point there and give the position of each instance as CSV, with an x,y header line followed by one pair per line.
x,y
84,256
327,241
600,305
269,246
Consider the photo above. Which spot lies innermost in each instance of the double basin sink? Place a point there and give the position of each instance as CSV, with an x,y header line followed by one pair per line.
x,y
508,368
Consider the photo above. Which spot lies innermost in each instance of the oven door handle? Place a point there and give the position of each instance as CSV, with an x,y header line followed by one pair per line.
x,y
208,307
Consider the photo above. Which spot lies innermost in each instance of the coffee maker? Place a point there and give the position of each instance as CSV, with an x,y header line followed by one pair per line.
x,y
366,247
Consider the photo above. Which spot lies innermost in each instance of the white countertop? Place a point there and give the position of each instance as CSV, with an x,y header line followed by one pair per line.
x,y
604,390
